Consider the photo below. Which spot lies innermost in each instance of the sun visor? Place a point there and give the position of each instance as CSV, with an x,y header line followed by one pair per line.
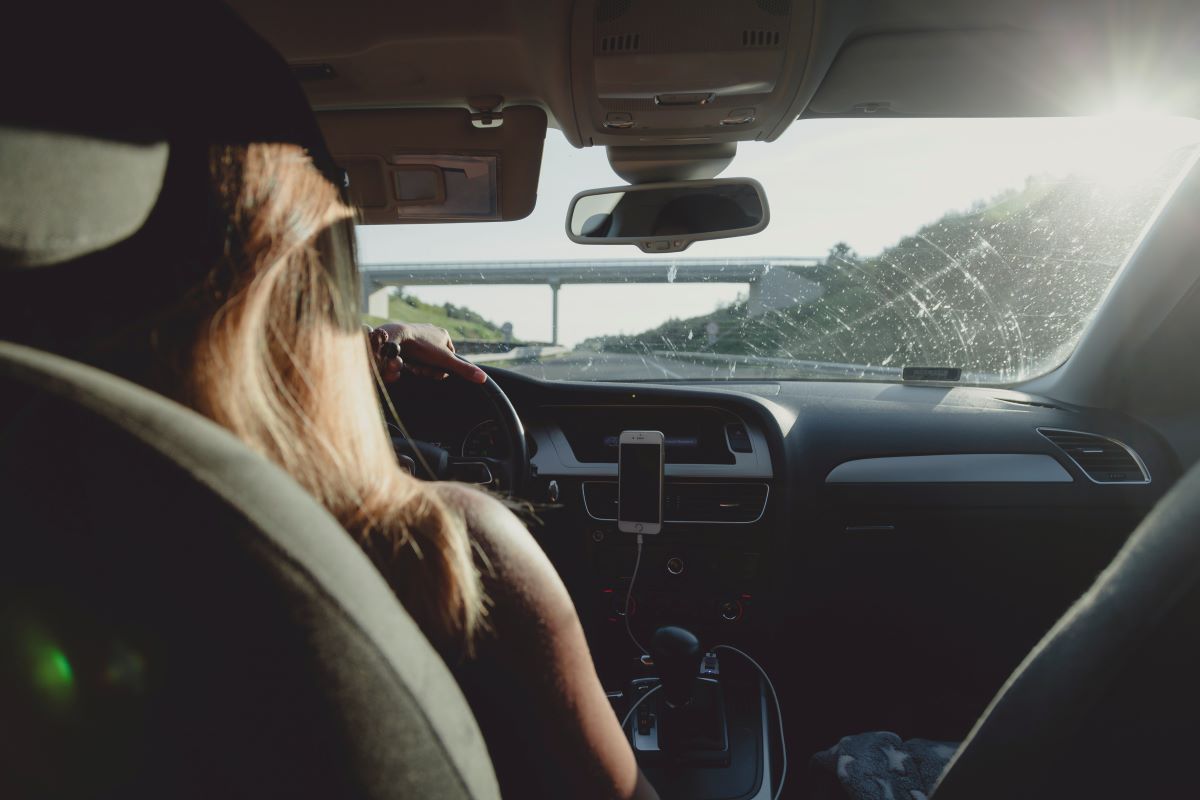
x,y
983,73
435,165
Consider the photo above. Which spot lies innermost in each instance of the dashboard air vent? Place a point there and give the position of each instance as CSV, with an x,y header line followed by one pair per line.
x,y
1102,459
723,502
625,43
700,503
760,38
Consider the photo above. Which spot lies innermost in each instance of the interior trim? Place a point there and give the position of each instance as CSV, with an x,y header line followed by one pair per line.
x,y
555,458
953,468
761,511
764,786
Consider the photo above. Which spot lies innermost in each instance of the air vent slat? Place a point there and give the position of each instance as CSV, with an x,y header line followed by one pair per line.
x,y
621,43
1102,459
761,38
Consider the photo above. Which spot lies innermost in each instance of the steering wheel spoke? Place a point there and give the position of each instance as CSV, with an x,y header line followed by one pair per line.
x,y
480,470
505,475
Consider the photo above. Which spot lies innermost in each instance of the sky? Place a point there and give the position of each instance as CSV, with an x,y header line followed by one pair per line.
x,y
865,182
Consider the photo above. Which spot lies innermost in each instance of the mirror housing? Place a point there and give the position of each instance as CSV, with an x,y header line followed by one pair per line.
x,y
668,217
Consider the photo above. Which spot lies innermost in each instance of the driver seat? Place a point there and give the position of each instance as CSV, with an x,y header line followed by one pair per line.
x,y
178,618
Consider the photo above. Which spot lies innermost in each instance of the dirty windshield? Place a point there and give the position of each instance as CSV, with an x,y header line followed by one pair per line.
x,y
985,245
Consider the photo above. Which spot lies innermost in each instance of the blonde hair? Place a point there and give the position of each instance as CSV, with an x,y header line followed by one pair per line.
x,y
282,362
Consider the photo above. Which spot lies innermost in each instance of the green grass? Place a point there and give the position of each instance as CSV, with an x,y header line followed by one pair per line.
x,y
462,323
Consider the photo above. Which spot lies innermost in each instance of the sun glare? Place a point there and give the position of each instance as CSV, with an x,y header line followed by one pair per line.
x,y
1123,145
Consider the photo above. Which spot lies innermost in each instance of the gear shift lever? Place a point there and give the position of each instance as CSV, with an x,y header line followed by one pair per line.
x,y
690,721
677,655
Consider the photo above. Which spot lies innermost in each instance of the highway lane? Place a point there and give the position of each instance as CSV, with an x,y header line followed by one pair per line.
x,y
592,366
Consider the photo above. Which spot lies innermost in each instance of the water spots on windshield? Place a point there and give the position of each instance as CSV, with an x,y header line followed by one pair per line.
x,y
1002,290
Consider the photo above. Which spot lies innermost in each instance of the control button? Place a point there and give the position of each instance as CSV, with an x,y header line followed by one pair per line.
x,y
638,527
552,492
675,565
597,536
620,120
730,610
644,720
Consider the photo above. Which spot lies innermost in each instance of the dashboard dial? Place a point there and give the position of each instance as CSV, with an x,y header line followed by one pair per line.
x,y
485,440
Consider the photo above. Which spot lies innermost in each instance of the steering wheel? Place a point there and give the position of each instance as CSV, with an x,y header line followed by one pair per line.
x,y
505,475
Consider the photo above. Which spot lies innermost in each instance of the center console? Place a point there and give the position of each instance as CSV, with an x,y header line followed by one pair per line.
x,y
699,718
700,727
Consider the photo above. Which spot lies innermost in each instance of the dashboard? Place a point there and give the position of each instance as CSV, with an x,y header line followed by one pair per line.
x,y
786,497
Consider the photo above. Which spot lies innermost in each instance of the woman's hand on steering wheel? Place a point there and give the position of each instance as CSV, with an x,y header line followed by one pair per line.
x,y
420,348
427,350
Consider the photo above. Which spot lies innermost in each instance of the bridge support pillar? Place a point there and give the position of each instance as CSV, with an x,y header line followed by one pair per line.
x,y
375,298
554,287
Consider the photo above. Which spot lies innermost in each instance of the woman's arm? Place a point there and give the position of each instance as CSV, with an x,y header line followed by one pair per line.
x,y
537,650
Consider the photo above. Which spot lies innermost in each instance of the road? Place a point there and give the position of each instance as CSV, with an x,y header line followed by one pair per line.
x,y
590,366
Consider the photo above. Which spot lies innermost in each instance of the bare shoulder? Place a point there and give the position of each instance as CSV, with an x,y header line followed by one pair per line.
x,y
472,502
487,518
513,560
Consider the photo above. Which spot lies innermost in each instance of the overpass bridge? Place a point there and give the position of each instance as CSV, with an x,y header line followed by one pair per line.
x,y
773,282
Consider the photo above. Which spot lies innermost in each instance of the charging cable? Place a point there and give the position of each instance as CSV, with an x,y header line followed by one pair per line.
x,y
628,596
778,712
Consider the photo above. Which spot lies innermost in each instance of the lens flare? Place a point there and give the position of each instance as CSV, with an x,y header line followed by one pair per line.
x,y
52,671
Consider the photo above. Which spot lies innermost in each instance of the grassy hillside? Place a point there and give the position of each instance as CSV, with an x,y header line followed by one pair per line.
x,y
1003,288
463,323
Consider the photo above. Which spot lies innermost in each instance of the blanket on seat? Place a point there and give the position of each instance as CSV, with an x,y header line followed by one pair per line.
x,y
879,766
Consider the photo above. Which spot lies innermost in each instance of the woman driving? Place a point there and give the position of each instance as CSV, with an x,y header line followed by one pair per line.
x,y
238,298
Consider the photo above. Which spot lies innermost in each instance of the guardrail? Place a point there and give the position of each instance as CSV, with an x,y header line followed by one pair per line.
x,y
518,353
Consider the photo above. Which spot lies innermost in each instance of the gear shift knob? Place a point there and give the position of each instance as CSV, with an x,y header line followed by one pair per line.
x,y
677,655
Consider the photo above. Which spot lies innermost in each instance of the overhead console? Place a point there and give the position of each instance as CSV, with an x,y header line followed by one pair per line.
x,y
686,72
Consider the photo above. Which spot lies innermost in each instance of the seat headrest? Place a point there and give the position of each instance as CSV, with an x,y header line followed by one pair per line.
x,y
67,195
100,99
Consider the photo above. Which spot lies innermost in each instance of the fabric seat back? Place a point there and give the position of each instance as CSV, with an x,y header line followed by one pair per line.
x,y
179,619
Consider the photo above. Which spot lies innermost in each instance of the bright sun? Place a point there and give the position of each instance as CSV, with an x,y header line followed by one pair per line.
x,y
1123,145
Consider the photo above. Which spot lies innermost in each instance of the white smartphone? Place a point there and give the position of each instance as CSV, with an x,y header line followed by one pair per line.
x,y
640,482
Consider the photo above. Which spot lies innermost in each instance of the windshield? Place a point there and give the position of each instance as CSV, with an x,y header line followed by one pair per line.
x,y
981,244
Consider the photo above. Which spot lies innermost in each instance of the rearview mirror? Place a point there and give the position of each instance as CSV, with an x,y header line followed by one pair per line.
x,y
668,217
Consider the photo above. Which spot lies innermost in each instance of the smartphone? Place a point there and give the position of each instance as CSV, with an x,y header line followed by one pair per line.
x,y
640,482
